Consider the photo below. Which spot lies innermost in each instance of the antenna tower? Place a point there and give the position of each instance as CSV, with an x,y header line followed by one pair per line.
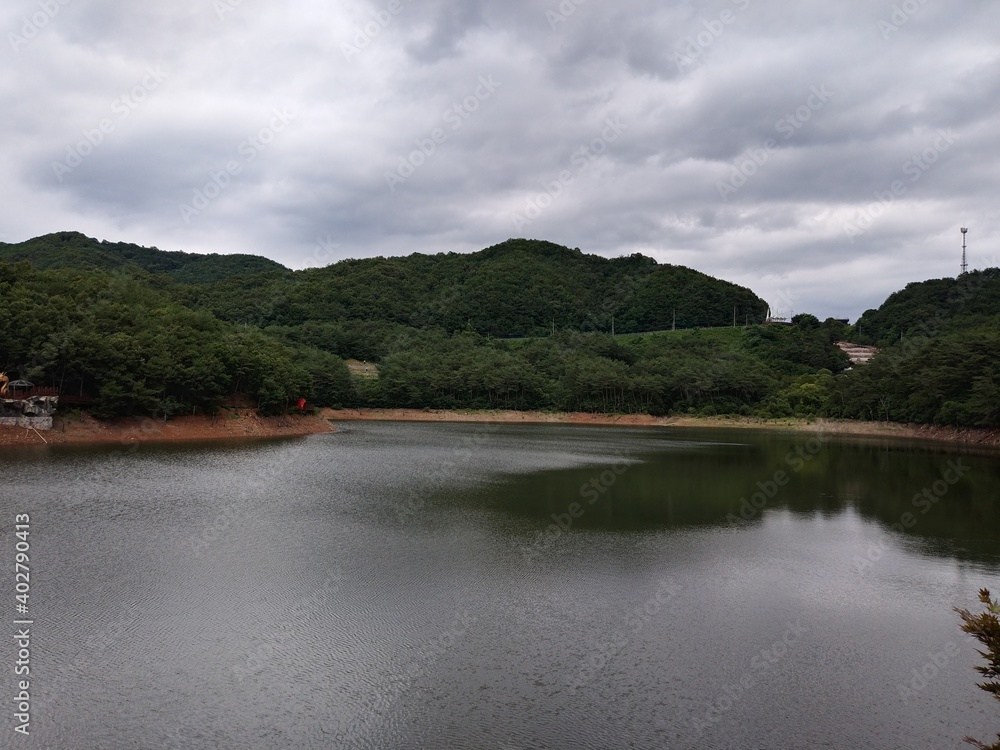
x,y
965,266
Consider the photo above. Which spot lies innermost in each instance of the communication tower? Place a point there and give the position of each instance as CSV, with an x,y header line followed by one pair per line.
x,y
965,266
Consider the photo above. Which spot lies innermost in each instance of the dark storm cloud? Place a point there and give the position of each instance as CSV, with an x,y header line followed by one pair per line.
x,y
823,154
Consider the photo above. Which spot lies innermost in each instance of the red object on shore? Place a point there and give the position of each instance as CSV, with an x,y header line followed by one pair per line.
x,y
302,404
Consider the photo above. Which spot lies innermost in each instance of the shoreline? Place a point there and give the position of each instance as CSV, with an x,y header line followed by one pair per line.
x,y
930,433
229,424
246,424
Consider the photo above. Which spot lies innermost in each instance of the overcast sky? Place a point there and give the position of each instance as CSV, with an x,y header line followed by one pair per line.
x,y
823,154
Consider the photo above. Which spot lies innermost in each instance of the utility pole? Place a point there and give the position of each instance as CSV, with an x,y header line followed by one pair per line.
x,y
734,316
612,325
673,325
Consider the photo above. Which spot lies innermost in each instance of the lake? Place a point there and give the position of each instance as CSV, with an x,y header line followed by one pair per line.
x,y
401,585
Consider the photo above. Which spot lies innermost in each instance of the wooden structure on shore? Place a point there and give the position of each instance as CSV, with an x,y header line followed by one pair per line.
x,y
24,405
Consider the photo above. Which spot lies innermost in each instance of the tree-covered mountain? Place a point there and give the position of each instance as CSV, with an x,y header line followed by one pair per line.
x,y
932,308
122,342
517,288
524,324
940,358
140,330
75,250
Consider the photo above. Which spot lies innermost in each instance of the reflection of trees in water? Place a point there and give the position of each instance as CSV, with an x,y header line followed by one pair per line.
x,y
948,495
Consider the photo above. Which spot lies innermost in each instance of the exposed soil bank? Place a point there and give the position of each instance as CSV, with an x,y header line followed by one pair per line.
x,y
235,424
231,424
926,432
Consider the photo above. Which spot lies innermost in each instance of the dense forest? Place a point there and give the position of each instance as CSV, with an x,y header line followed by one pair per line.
x,y
940,361
525,324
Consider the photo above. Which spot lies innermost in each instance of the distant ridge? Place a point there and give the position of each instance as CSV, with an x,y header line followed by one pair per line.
x,y
519,287
932,307
76,250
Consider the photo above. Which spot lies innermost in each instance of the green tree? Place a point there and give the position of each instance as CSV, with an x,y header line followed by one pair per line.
x,y
985,628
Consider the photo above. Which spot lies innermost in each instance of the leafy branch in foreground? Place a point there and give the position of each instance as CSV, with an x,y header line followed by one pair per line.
x,y
985,627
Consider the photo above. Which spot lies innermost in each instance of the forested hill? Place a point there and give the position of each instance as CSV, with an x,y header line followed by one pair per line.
x,y
933,307
517,288
135,330
525,324
77,251
940,358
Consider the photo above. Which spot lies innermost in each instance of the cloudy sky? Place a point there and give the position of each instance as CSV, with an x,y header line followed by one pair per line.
x,y
822,153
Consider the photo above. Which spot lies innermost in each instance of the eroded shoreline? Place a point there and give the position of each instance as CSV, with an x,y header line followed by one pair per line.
x,y
970,436
240,424
230,424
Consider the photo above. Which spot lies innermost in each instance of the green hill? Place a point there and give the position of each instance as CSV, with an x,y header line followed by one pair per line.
x,y
522,324
75,250
517,288
932,307
940,357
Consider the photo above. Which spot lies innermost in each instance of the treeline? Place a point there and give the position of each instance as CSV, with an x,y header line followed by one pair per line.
x,y
940,361
517,288
524,325
134,344
122,341
951,379
928,309
761,370
76,250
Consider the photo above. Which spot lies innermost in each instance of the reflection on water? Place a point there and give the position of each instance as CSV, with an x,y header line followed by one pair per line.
x,y
411,586
672,483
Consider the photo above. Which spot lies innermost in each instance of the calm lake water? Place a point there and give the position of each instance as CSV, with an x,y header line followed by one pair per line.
x,y
478,586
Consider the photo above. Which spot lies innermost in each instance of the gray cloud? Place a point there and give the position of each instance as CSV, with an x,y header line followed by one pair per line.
x,y
704,95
